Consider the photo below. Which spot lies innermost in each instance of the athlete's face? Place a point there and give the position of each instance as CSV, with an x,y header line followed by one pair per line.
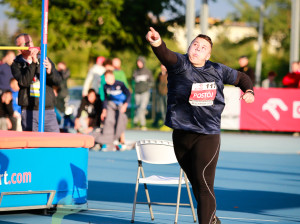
x,y
199,52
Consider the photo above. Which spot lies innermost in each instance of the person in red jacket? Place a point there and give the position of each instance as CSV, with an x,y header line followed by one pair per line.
x,y
292,79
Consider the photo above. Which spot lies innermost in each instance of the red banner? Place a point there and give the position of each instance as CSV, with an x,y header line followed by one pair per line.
x,y
274,109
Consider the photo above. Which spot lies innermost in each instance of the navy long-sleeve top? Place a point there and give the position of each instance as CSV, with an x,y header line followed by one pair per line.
x,y
195,94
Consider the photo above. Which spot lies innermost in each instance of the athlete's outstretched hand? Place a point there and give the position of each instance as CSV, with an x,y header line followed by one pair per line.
x,y
153,37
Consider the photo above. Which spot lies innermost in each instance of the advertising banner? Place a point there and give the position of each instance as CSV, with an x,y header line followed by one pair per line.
x,y
62,170
274,109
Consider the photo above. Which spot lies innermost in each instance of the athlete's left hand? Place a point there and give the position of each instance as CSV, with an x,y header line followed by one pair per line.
x,y
248,97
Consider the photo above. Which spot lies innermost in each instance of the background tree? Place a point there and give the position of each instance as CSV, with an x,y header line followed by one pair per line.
x,y
277,20
118,24
79,31
5,39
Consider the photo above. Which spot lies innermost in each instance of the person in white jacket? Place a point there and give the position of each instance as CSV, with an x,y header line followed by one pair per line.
x,y
93,77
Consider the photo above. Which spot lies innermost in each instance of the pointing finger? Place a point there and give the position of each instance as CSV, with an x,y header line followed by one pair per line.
x,y
152,29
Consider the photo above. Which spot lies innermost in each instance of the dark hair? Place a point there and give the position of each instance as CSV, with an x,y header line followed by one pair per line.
x,y
20,35
91,91
6,91
243,56
108,72
205,37
272,73
107,62
11,80
4,53
7,52
62,62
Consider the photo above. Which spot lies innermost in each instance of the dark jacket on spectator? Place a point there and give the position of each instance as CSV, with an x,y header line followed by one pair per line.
x,y
24,73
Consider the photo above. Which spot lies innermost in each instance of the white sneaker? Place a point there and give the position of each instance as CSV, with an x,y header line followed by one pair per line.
x,y
96,147
121,147
104,148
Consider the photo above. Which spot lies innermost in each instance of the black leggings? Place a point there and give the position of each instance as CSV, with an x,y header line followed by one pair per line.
x,y
198,154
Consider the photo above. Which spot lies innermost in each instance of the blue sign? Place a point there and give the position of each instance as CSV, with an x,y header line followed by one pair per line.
x,y
62,171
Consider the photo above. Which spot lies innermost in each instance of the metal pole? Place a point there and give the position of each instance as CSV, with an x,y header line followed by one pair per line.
x,y
294,46
260,43
204,17
190,20
44,39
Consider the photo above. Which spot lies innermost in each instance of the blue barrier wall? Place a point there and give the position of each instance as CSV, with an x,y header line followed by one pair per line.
x,y
63,170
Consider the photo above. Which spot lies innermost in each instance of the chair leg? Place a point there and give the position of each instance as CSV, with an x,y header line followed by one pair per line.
x,y
190,197
178,197
135,195
149,201
147,195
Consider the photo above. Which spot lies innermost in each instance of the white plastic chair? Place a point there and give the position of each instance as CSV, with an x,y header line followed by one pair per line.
x,y
159,152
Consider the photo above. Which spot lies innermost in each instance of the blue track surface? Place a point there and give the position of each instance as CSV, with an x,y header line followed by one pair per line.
x,y
257,181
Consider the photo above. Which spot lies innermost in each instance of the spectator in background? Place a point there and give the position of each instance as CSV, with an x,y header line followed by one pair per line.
x,y
292,79
16,118
118,72
6,110
112,65
26,70
5,71
120,76
88,115
270,81
244,67
108,67
143,79
161,96
113,115
62,90
93,77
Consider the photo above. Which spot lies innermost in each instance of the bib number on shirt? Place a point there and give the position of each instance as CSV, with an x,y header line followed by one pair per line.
x,y
203,94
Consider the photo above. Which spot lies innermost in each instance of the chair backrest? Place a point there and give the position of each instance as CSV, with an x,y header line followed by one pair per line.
x,y
155,151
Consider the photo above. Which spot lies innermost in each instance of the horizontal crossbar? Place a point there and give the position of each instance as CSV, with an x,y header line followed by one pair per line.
x,y
16,48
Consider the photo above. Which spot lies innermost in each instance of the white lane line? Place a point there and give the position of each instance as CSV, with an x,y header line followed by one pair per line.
x,y
247,219
171,214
